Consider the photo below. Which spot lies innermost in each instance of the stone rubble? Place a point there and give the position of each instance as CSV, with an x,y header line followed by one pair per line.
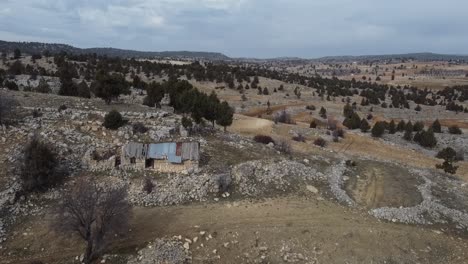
x,y
168,251
255,178
335,180
429,211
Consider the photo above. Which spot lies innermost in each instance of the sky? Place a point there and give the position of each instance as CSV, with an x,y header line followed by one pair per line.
x,y
244,28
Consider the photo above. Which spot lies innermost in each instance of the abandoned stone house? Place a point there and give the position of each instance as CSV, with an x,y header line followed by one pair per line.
x,y
163,157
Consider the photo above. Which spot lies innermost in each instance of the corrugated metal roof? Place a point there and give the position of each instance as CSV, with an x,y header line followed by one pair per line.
x,y
135,150
174,152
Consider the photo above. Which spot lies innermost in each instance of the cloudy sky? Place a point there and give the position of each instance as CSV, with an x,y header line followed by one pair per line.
x,y
244,28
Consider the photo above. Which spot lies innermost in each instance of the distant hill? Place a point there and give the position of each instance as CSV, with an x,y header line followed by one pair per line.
x,y
36,47
424,56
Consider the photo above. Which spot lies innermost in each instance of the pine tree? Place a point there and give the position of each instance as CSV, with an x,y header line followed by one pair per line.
x,y
401,126
436,127
392,127
224,115
323,112
364,126
353,121
379,129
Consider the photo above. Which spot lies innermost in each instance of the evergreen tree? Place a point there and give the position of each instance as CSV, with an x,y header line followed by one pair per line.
x,y
353,121
225,115
364,126
17,54
110,87
436,127
347,110
43,86
418,126
378,129
83,90
323,112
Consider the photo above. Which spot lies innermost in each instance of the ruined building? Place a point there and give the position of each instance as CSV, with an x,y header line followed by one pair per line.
x,y
163,157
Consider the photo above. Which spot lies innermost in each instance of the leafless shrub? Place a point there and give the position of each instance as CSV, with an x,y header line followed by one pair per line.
x,y
96,214
284,147
284,117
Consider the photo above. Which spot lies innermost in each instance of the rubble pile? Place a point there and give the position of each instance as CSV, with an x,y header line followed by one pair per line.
x,y
163,251
254,178
177,189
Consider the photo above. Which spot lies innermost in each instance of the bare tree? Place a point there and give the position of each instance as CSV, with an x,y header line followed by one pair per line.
x,y
96,214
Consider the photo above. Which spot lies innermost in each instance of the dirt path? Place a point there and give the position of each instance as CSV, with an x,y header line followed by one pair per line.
x,y
243,232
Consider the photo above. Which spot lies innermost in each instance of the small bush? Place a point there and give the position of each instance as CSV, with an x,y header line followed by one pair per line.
x,y
187,123
299,138
263,139
139,128
311,107
448,167
113,120
224,182
338,133
148,185
36,113
62,108
320,142
313,124
447,154
455,130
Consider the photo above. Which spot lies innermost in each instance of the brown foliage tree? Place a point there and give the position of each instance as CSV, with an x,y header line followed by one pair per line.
x,y
96,214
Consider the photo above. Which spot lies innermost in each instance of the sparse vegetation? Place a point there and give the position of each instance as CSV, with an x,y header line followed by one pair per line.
x,y
455,130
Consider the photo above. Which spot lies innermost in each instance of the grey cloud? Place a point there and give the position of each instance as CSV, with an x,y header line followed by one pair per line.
x,y
255,28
